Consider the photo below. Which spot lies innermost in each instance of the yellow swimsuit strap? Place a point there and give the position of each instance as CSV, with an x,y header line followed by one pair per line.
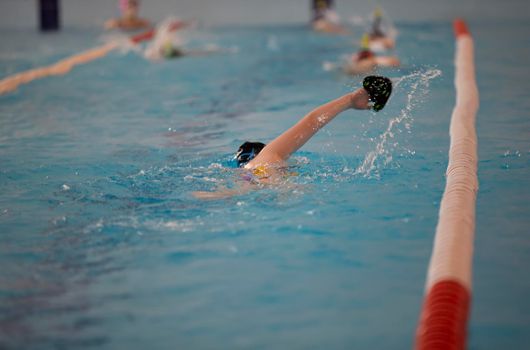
x,y
260,171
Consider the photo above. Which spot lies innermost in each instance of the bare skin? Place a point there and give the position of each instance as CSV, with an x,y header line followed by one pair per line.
x,y
268,164
325,26
382,41
129,21
369,64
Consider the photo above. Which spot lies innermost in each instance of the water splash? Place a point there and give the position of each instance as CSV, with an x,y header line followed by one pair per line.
x,y
272,43
419,88
164,35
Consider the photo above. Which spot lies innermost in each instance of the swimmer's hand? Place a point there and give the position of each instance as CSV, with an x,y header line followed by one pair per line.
x,y
360,99
379,90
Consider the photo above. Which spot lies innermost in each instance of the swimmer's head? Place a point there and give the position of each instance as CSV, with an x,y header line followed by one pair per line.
x,y
129,8
247,152
378,13
322,5
168,50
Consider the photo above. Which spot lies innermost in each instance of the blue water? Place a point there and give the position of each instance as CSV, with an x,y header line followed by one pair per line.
x,y
102,245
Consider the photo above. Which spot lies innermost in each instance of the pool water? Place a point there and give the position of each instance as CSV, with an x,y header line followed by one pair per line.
x,y
103,246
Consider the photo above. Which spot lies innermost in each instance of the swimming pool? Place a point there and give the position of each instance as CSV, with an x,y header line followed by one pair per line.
x,y
102,245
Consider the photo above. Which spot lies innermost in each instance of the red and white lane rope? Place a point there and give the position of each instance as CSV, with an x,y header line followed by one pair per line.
x,y
443,320
64,66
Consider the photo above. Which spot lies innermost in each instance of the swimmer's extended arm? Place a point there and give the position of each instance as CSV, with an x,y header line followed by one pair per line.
x,y
223,192
284,145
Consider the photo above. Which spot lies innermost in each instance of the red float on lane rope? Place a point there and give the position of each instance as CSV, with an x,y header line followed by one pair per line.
x,y
443,320
460,27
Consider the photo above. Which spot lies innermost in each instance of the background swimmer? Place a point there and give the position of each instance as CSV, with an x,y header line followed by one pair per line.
x,y
129,19
380,38
366,61
267,163
169,42
325,19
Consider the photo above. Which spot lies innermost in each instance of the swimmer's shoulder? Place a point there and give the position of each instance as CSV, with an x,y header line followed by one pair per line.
x,y
267,160
127,23
112,23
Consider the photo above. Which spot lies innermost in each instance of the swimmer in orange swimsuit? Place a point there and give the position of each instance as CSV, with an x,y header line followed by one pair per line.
x,y
266,163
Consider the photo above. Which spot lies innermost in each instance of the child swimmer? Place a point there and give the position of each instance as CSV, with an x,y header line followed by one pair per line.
x,y
169,42
378,38
265,164
325,19
366,61
129,19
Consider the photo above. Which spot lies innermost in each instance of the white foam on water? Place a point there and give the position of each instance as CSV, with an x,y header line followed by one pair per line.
x,y
328,66
164,35
383,149
272,43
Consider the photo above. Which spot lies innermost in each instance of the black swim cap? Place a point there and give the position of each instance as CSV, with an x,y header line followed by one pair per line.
x,y
247,152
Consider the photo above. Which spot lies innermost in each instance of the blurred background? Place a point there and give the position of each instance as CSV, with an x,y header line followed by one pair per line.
x,y
89,13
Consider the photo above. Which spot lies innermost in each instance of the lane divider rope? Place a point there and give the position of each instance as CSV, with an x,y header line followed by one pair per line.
x,y
444,316
64,66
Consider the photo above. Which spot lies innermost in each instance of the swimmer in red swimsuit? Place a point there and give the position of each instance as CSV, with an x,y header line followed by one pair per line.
x,y
366,61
